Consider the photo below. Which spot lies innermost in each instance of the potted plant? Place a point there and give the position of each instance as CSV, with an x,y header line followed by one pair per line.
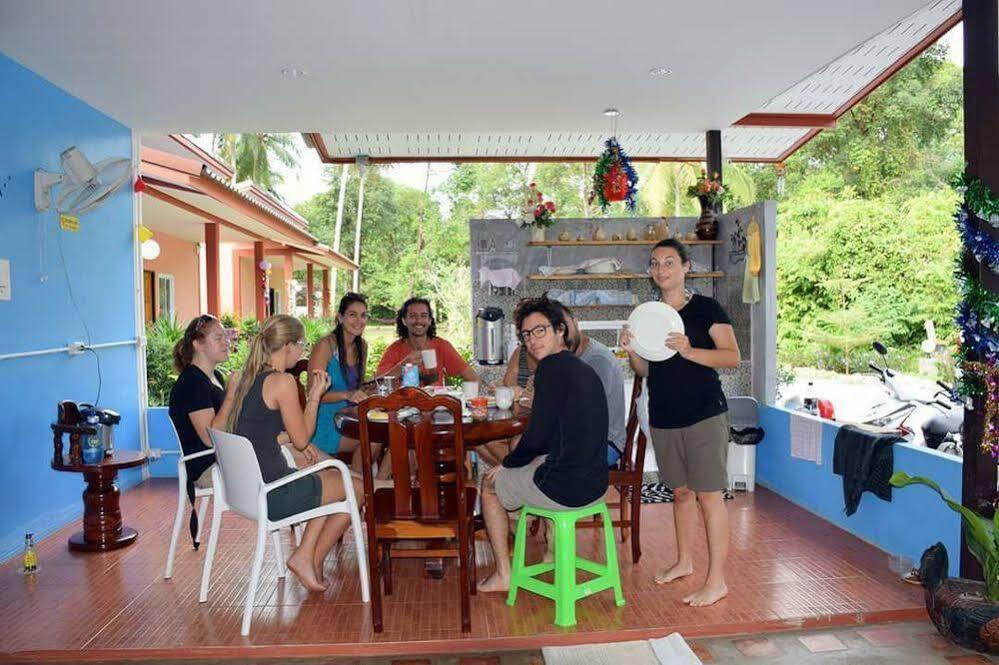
x,y
538,214
964,611
711,194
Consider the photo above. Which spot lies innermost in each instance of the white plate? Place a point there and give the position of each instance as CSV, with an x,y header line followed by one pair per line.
x,y
650,323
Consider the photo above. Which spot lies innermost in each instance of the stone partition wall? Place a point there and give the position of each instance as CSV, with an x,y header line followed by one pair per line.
x,y
499,244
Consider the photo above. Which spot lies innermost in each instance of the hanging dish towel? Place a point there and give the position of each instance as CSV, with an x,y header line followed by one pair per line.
x,y
507,278
806,438
754,261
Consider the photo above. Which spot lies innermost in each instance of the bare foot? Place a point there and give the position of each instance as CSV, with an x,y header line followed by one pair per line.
x,y
709,594
304,571
676,572
318,567
495,583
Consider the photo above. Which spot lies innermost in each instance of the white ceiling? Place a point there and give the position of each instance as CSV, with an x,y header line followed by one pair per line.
x,y
395,67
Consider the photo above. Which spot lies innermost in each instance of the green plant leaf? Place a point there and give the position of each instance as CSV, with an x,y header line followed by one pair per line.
x,y
979,533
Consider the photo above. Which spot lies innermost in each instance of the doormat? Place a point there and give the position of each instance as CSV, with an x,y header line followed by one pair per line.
x,y
660,493
669,650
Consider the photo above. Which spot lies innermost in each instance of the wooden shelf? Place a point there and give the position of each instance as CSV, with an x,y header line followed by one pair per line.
x,y
621,275
604,243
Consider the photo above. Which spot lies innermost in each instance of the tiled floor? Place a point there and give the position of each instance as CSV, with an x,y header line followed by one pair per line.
x,y
897,644
788,569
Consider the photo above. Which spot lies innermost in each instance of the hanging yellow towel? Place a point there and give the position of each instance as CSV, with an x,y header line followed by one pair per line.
x,y
754,261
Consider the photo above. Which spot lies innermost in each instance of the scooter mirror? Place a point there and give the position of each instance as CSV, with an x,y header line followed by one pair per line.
x,y
880,348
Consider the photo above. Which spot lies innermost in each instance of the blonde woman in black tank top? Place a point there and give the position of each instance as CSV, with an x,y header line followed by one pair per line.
x,y
260,404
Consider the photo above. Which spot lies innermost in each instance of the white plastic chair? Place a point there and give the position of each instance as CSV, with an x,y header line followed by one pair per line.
x,y
246,494
201,497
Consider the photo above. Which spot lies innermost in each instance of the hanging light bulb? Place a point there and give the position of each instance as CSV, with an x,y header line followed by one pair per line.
x,y
150,250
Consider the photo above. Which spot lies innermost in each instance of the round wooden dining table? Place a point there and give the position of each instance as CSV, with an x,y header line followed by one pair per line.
x,y
497,425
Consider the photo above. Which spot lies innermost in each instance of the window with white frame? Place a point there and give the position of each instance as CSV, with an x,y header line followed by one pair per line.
x,y
165,296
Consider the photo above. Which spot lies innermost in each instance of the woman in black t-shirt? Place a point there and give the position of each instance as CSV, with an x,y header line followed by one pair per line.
x,y
198,392
689,417
196,396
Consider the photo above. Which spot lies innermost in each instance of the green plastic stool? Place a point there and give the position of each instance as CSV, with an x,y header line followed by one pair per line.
x,y
566,590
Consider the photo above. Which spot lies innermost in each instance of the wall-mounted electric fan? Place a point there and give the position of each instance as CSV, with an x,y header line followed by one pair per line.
x,y
85,186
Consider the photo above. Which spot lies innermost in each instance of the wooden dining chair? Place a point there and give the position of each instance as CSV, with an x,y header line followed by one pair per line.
x,y
626,478
435,506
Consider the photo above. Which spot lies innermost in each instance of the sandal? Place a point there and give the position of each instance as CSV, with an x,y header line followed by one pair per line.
x,y
913,577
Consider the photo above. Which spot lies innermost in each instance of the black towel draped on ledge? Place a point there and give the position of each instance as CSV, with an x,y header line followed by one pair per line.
x,y
866,461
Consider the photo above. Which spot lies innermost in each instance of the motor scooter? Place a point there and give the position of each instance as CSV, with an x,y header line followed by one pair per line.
x,y
940,431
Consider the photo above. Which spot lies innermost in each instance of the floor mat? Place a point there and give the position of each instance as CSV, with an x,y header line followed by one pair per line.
x,y
616,653
660,493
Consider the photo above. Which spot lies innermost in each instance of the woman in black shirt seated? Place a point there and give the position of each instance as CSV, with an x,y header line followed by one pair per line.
x,y
689,417
561,460
198,392
261,405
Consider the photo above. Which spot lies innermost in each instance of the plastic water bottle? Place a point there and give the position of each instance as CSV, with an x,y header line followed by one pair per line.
x,y
93,449
411,375
808,403
30,558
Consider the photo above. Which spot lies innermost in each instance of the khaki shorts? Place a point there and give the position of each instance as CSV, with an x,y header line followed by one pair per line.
x,y
515,488
694,457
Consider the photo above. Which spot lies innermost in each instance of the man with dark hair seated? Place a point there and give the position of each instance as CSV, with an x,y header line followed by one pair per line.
x,y
561,460
417,331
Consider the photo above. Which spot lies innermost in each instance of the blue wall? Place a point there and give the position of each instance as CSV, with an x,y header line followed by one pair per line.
x,y
37,122
162,437
914,519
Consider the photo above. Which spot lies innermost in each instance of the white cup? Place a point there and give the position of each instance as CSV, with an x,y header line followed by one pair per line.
x,y
429,358
504,397
470,389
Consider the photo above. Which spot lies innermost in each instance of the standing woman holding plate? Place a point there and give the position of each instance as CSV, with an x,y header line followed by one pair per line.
x,y
688,413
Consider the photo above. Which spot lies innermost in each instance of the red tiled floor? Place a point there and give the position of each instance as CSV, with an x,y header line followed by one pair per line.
x,y
822,642
787,569
757,647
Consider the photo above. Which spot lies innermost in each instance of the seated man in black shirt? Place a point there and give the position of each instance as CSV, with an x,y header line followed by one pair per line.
x,y
561,460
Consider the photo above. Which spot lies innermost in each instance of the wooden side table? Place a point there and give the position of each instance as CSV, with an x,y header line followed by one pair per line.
x,y
102,524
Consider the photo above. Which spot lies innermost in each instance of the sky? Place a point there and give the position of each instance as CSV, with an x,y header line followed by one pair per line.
x,y
310,177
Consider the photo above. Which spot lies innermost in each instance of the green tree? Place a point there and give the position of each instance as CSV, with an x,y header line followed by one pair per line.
x,y
255,156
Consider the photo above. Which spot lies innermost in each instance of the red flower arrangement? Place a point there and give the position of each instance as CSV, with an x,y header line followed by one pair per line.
x,y
537,211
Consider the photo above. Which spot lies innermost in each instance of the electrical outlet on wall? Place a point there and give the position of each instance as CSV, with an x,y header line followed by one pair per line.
x,y
4,279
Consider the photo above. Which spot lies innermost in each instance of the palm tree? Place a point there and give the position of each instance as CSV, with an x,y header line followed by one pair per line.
x,y
253,156
665,187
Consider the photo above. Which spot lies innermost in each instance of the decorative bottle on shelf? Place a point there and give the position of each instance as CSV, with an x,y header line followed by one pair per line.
x,y
29,563
662,229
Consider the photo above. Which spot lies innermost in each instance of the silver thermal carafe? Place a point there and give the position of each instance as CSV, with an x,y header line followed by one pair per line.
x,y
489,336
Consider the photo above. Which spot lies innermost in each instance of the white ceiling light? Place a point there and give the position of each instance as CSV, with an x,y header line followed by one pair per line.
x,y
293,72
611,113
660,71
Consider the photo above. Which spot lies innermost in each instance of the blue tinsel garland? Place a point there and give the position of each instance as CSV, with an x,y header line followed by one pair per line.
x,y
614,154
978,329
981,245
629,171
